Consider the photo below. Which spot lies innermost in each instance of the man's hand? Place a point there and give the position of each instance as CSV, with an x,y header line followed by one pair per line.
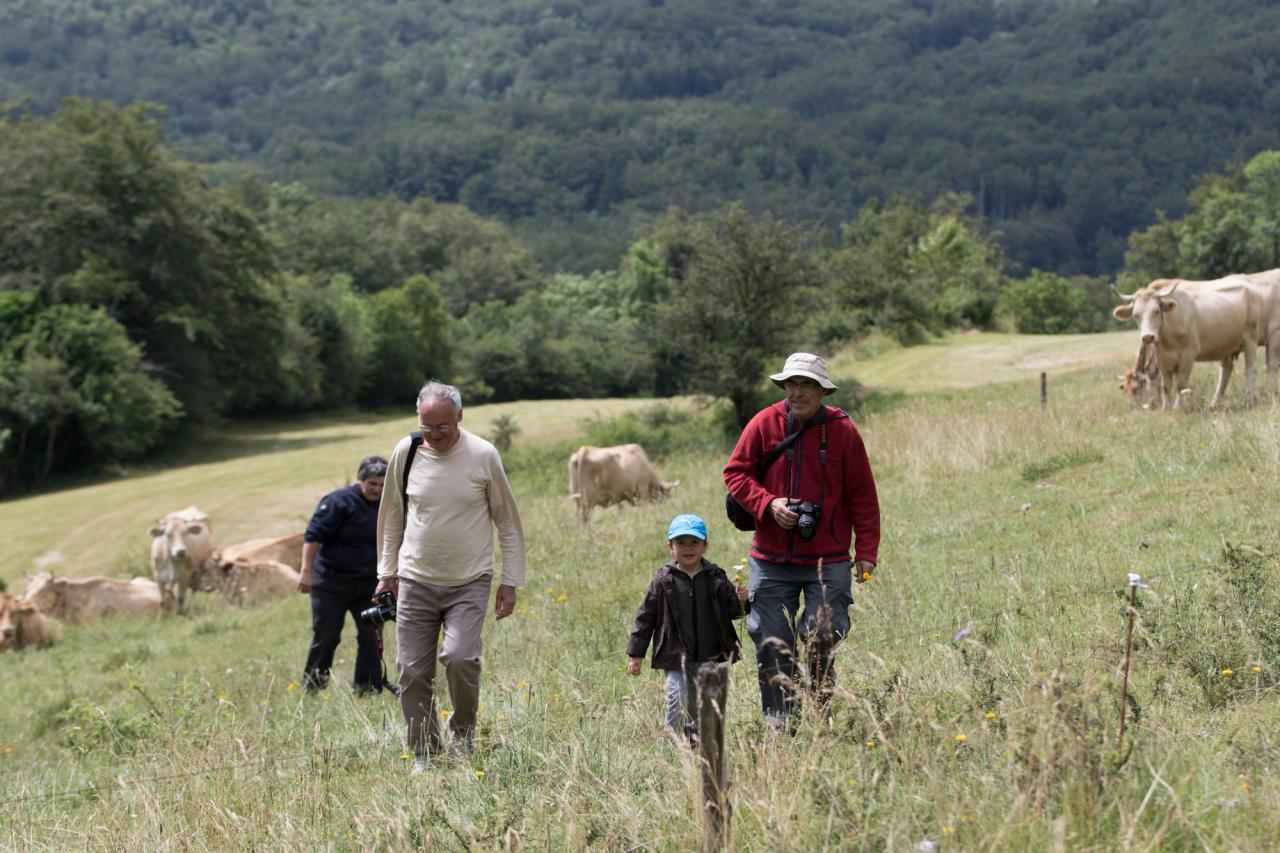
x,y
304,580
633,665
862,570
391,585
785,518
505,602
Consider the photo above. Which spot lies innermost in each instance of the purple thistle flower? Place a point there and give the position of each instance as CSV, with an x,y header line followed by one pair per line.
x,y
961,634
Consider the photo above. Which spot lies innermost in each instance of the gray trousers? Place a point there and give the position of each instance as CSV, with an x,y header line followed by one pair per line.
x,y
681,712
423,611
776,622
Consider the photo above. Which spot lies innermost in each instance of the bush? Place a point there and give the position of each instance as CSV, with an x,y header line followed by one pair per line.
x,y
1047,304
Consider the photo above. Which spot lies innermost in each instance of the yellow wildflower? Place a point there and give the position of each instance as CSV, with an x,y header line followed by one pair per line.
x,y
866,576
961,738
1257,669
1227,673
405,757
479,774
445,714
871,744
293,685
991,715
562,597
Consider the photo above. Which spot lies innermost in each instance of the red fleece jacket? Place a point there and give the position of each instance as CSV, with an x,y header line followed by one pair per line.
x,y
844,487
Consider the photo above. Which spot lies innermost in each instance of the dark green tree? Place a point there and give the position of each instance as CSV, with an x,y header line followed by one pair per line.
x,y
740,303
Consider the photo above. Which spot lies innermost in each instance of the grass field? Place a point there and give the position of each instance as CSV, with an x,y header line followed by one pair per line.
x,y
979,689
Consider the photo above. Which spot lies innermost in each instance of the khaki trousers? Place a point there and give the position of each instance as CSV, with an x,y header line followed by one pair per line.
x,y
422,612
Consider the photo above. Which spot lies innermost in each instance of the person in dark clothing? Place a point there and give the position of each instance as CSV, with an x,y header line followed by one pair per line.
x,y
340,570
687,612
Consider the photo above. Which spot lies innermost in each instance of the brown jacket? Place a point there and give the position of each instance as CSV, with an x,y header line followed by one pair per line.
x,y
657,618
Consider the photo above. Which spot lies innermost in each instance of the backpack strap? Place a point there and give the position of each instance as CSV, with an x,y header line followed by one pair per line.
x,y
415,441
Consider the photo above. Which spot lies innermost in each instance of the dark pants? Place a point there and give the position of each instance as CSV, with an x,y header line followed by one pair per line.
x,y
776,623
329,608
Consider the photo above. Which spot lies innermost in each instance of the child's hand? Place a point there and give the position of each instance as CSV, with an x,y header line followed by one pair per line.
x,y
633,665
743,592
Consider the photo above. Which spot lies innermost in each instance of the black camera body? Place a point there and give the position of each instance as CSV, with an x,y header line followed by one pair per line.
x,y
807,523
380,613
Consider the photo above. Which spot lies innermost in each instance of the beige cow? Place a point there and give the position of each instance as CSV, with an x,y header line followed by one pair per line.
x,y
282,549
22,625
85,599
1268,284
243,582
600,476
1190,321
181,545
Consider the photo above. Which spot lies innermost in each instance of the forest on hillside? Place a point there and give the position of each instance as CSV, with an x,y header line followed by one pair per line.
x,y
135,297
1071,124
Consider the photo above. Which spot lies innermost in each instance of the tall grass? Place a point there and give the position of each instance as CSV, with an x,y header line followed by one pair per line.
x,y
978,694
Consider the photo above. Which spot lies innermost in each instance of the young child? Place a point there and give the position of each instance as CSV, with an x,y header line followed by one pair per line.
x,y
687,612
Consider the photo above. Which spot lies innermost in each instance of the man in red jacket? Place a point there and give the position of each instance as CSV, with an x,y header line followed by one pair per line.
x,y
812,503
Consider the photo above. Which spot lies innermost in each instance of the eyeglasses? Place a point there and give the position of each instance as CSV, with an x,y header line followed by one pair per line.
x,y
443,429
807,384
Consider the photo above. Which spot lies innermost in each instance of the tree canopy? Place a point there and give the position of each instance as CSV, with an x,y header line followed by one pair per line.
x,y
579,123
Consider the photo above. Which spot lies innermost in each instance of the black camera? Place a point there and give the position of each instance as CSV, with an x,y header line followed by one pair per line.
x,y
807,523
380,613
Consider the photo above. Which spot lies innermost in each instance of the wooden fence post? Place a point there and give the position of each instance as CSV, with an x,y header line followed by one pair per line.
x,y
713,692
1044,389
1134,582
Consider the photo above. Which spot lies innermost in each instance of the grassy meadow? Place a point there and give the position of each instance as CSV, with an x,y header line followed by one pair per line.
x,y
978,693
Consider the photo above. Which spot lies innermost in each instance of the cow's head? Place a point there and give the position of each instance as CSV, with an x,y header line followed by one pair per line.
x,y
44,591
1148,307
8,619
184,534
664,488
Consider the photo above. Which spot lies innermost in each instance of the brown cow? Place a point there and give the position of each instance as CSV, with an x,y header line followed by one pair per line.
x,y
181,545
22,625
243,581
1141,383
85,599
600,476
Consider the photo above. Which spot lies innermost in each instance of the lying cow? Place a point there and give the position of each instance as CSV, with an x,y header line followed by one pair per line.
x,y
85,599
22,625
181,545
1190,321
242,582
1141,383
282,549
600,476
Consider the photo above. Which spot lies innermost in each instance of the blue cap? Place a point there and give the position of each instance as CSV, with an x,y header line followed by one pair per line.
x,y
687,525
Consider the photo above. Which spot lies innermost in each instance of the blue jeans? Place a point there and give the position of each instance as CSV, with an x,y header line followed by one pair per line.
x,y
776,589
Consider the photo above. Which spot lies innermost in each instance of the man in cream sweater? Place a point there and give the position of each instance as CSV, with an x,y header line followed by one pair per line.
x,y
436,555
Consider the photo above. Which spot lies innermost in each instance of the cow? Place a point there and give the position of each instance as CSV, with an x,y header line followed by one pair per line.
x,y
181,545
22,625
84,599
282,549
243,581
1190,321
1141,383
600,476
1268,284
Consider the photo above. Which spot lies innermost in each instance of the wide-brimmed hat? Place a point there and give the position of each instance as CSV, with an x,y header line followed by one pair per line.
x,y
804,364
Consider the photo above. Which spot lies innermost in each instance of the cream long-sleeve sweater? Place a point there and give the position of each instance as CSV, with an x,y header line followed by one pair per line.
x,y
456,499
